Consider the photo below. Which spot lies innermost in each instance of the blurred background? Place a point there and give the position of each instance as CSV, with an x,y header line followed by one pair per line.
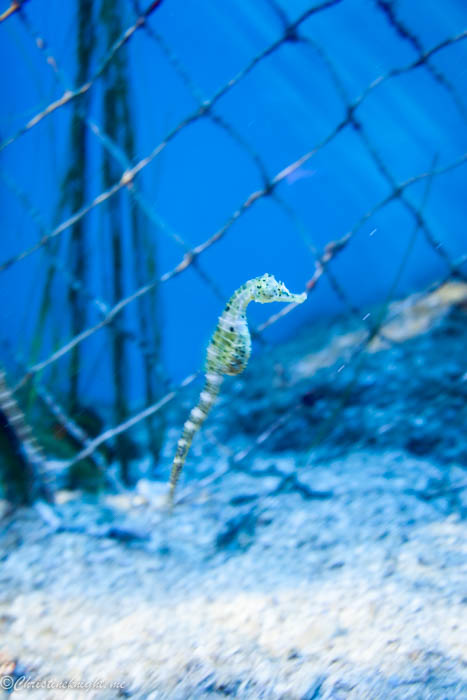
x,y
206,106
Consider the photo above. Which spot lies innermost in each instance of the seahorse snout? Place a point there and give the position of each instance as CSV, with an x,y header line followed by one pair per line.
x,y
297,298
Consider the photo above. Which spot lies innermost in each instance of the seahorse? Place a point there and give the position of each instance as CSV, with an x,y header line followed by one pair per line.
x,y
227,354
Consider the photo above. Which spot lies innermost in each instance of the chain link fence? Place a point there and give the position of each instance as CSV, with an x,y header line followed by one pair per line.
x,y
91,314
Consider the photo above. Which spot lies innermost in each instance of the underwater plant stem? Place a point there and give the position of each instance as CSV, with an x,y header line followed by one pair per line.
x,y
113,116
74,188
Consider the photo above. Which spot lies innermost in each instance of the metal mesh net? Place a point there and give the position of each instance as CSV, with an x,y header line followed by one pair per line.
x,y
53,254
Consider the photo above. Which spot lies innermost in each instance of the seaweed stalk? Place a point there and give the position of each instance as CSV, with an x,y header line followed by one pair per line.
x,y
118,126
75,187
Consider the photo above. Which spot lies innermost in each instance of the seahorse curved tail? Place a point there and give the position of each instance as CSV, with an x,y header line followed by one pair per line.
x,y
193,423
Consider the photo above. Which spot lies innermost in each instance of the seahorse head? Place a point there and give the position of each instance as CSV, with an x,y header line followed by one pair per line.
x,y
266,289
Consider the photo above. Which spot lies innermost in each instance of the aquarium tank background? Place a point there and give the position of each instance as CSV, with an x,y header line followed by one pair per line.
x,y
154,158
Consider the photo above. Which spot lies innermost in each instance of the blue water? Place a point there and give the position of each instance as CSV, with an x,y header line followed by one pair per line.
x,y
285,106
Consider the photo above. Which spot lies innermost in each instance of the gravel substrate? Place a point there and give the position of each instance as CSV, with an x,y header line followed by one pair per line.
x,y
292,567
359,592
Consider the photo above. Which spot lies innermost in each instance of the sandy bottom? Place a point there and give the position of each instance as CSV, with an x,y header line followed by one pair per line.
x,y
360,594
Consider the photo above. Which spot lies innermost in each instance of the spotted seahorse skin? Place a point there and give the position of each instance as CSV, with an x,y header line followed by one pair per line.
x,y
228,353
